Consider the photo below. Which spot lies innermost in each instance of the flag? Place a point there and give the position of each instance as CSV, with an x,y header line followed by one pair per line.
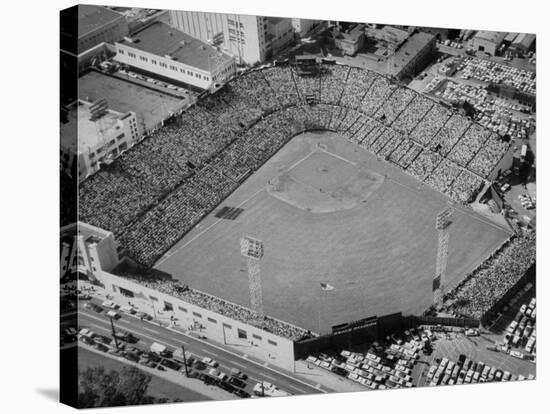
x,y
326,286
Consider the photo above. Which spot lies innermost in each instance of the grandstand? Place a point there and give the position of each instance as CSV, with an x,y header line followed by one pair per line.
x,y
150,197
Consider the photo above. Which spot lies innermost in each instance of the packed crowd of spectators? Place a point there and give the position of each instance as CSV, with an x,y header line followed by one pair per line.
x,y
493,278
412,114
471,142
394,105
225,308
161,188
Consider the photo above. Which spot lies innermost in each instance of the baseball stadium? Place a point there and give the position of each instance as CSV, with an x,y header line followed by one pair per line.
x,y
338,175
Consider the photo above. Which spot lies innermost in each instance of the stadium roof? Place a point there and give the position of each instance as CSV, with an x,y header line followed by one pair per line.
x,y
493,37
161,39
91,17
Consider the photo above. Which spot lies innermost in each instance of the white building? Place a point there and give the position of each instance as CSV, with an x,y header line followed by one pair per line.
x,y
246,37
303,26
94,135
87,250
173,54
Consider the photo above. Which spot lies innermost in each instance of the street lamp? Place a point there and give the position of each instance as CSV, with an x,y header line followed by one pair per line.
x,y
113,331
184,361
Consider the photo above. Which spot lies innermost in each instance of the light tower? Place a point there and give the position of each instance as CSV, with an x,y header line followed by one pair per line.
x,y
442,223
253,250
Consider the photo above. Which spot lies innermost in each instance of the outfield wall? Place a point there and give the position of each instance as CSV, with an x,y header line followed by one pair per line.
x,y
277,350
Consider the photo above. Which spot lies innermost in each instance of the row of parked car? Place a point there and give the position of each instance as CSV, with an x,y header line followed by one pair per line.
x,y
521,332
159,357
381,367
467,371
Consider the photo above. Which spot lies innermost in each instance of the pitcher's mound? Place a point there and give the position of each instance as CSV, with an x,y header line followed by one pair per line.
x,y
325,183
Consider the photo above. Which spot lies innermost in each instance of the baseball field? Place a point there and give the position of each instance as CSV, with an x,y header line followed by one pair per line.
x,y
330,212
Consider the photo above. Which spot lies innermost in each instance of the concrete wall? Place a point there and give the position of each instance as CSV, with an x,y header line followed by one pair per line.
x,y
276,350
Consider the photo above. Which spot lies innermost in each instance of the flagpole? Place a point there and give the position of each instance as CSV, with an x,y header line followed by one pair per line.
x,y
320,306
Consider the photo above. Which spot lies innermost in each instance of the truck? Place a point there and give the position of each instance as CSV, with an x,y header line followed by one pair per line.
x,y
160,350
266,389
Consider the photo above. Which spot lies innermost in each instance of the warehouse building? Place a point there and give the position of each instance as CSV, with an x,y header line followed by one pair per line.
x,y
487,41
170,53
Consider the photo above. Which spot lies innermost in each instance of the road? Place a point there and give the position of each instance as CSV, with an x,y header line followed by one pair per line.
x,y
149,333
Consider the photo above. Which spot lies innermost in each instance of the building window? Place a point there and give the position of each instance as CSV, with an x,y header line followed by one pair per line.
x,y
153,298
198,315
212,320
226,325
258,337
121,51
270,342
241,333
168,306
182,309
153,61
120,137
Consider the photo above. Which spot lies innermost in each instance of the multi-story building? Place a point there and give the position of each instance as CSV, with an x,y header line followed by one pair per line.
x,y
173,54
246,37
102,135
350,41
87,250
85,26
280,33
413,55
304,26
487,41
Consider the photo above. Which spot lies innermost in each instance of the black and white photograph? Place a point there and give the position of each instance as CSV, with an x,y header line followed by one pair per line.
x,y
258,206
334,206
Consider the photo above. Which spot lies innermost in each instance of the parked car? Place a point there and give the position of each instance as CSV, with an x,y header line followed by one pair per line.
x,y
238,374
109,304
210,362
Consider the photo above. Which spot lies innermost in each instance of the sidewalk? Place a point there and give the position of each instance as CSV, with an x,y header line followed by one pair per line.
x,y
189,326
209,391
311,372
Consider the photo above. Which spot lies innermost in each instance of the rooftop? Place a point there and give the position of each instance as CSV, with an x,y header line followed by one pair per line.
x,y
89,132
494,37
410,49
90,233
524,40
149,105
91,17
161,39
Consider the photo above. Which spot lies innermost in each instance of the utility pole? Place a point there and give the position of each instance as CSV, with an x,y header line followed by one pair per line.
x,y
114,332
184,361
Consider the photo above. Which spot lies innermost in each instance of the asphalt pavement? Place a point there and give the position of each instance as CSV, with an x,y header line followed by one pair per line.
x,y
148,333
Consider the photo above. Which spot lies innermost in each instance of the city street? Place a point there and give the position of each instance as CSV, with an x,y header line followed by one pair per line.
x,y
149,333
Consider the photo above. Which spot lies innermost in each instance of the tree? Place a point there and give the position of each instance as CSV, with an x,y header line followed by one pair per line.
x,y
99,388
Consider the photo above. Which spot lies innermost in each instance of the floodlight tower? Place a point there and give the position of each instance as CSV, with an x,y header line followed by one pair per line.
x,y
442,223
253,250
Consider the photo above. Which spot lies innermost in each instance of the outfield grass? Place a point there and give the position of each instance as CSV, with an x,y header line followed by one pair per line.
x,y
379,255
